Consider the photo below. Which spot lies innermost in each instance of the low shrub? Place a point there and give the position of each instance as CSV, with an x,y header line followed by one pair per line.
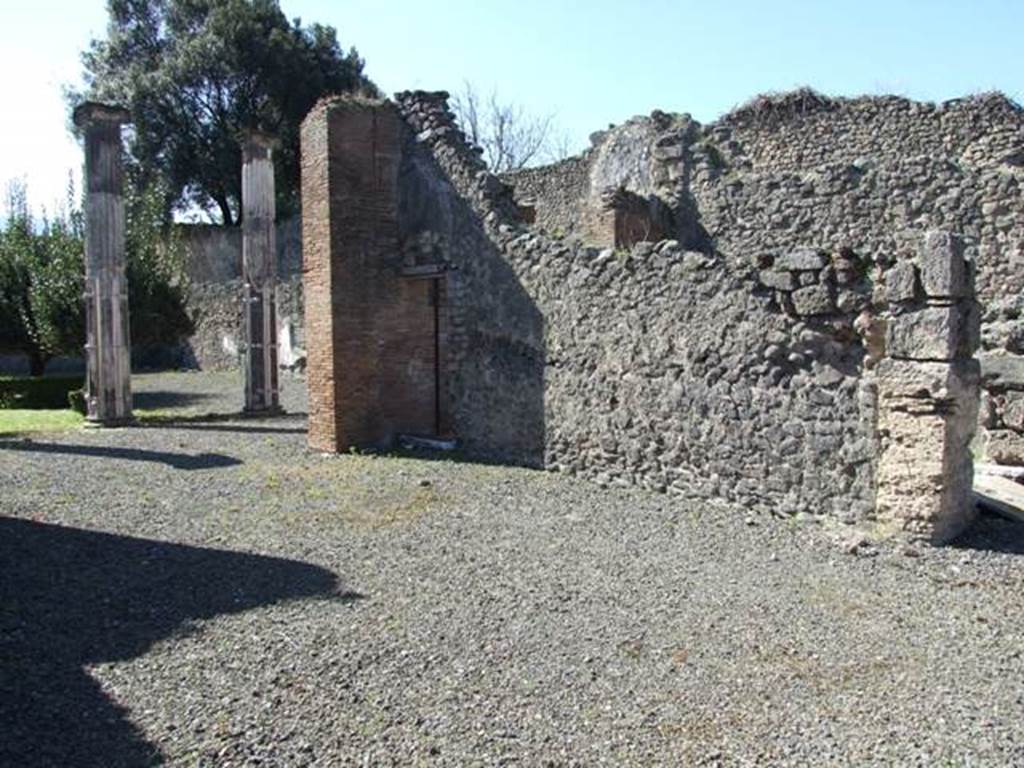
x,y
76,399
37,393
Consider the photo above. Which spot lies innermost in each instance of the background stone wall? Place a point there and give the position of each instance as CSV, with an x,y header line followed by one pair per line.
x,y
216,309
214,253
214,266
556,193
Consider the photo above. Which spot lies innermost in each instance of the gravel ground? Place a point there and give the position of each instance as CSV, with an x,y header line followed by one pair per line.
x,y
211,593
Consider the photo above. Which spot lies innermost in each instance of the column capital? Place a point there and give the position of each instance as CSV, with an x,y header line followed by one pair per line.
x,y
257,143
94,112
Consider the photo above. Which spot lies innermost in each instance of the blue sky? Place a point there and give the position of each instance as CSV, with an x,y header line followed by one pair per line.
x,y
589,63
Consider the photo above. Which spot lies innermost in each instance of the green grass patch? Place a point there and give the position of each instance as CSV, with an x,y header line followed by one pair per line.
x,y
18,420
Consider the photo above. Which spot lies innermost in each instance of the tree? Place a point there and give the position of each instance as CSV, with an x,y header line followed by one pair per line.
x,y
155,270
41,283
510,137
42,278
196,73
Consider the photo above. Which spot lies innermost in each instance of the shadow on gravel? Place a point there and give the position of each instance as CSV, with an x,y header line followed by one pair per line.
x,y
457,456
167,399
214,425
70,597
993,534
176,460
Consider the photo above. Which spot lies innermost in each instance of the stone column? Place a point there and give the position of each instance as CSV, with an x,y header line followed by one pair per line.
x,y
259,272
108,344
928,393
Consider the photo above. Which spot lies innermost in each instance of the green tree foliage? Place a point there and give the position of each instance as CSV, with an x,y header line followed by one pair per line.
x,y
157,279
41,282
42,278
195,73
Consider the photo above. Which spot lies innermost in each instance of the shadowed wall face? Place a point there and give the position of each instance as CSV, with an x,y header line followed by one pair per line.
x,y
108,344
371,332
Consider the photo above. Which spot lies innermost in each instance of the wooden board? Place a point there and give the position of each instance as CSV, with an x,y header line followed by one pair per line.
x,y
1001,495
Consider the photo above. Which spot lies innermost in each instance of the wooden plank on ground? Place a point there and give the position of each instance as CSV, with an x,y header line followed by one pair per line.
x,y
1001,495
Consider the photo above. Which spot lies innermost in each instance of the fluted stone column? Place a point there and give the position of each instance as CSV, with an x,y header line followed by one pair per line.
x,y
107,345
259,270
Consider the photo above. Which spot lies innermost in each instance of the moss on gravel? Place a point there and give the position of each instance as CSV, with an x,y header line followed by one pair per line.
x,y
356,491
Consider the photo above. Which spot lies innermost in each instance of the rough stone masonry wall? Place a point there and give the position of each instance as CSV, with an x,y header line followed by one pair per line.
x,y
787,380
213,257
216,310
677,369
554,192
861,173
861,176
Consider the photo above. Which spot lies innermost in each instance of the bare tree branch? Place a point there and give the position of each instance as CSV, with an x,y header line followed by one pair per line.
x,y
510,137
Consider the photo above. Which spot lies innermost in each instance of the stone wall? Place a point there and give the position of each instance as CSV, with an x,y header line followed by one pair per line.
x,y
749,372
214,253
861,176
783,345
216,309
656,365
213,257
555,192
802,129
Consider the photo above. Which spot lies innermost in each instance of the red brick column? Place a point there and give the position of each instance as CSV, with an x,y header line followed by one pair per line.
x,y
370,331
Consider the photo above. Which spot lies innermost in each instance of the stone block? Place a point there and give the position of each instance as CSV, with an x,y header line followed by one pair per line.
x,y
847,276
930,380
1004,446
800,259
668,152
851,302
933,333
901,283
1012,411
1002,372
927,415
813,300
944,272
781,281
